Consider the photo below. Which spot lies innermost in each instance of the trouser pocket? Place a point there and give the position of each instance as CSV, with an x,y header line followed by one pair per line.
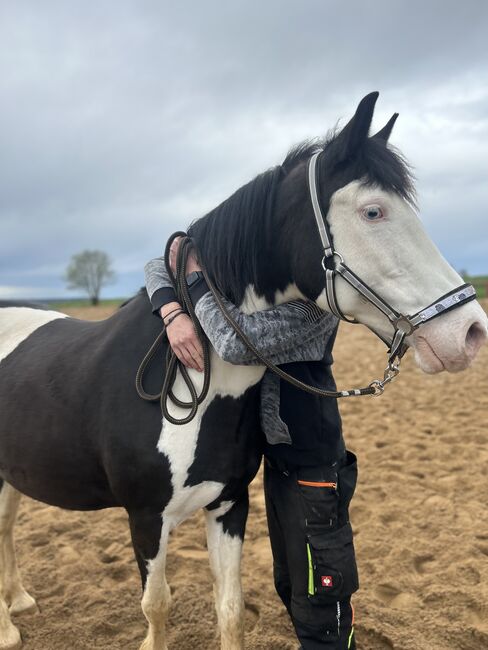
x,y
319,496
332,566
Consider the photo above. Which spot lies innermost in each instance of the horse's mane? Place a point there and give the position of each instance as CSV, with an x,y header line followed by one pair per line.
x,y
376,164
233,237
230,239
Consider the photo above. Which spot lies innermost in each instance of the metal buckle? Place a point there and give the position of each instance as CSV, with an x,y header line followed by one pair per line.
x,y
403,325
328,257
392,371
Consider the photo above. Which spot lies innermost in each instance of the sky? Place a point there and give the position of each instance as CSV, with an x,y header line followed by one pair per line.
x,y
122,121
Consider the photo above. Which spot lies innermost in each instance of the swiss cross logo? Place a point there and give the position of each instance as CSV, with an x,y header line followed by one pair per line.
x,y
327,581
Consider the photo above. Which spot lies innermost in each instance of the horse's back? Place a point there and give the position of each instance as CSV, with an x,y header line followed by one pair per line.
x,y
19,321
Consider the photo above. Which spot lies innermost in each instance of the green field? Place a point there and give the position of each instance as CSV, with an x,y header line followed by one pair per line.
x,y
480,283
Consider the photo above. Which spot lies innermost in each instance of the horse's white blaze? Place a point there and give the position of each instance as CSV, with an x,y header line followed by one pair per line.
x,y
178,442
397,259
18,323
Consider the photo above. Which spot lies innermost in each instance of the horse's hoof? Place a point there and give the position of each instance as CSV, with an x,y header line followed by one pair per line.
x,y
148,644
10,638
23,604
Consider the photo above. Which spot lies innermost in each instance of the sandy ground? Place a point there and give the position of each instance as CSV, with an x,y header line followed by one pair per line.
x,y
419,514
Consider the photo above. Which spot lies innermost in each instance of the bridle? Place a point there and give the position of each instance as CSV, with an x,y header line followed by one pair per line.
x,y
403,324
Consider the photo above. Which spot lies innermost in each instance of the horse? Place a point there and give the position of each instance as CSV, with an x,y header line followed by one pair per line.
x,y
74,433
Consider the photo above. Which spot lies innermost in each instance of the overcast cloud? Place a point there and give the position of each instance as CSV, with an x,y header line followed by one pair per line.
x,y
121,121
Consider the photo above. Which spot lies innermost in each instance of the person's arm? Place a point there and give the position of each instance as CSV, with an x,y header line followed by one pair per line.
x,y
158,285
296,331
179,328
293,331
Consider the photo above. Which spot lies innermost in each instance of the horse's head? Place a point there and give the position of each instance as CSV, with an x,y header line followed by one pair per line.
x,y
365,190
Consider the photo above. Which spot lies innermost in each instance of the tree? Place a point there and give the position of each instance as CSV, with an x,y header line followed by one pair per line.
x,y
90,270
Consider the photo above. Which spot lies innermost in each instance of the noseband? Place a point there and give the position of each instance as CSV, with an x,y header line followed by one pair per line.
x,y
403,324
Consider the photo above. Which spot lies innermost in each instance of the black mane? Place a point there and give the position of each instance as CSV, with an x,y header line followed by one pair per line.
x,y
231,238
234,238
378,164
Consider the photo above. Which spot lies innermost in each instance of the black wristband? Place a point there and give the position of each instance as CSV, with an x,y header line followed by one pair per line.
x,y
162,297
198,289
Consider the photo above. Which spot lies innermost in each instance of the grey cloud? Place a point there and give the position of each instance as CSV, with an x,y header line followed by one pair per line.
x,y
122,121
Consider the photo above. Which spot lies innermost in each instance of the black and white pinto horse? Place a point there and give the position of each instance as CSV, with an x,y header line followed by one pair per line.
x,y
74,433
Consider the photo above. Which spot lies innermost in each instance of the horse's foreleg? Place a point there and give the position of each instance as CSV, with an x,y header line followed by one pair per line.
x,y
225,534
11,589
150,541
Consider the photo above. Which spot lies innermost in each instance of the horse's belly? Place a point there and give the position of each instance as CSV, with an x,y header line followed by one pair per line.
x,y
45,477
44,456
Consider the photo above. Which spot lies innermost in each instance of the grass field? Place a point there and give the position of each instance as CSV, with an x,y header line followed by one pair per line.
x,y
480,283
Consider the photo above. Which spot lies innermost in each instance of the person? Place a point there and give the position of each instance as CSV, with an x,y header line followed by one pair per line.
x,y
309,477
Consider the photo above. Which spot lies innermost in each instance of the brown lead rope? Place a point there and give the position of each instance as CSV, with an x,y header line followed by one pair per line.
x,y
173,364
368,390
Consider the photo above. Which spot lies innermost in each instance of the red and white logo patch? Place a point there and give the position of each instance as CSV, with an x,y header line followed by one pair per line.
x,y
327,581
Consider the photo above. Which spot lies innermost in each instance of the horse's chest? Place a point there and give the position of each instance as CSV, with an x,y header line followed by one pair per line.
x,y
219,451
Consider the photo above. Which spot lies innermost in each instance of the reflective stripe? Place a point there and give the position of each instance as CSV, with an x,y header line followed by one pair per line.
x,y
330,293
359,285
350,638
312,183
311,584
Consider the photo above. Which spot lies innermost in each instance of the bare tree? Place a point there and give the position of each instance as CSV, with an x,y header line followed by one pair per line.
x,y
90,270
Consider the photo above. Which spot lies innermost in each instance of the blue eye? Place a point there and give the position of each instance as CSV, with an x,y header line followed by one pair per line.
x,y
372,212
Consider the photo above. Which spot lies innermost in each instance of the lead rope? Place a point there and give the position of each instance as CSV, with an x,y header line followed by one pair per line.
x,y
173,364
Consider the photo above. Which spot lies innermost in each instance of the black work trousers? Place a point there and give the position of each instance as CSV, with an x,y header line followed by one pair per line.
x,y
313,554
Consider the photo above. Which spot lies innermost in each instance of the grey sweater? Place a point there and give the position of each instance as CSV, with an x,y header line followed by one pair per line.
x,y
291,332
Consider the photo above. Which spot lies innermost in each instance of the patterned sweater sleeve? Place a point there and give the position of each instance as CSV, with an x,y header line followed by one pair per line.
x,y
158,285
293,331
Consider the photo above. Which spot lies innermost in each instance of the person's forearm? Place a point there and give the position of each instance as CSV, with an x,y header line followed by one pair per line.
x,y
158,285
289,332
169,308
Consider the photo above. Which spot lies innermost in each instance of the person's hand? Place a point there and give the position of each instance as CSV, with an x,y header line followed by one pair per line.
x,y
184,341
191,263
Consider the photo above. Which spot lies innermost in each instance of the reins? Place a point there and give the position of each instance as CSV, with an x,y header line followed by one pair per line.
x,y
173,364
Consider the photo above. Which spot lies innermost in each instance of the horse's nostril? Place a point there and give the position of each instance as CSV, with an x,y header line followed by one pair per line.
x,y
475,337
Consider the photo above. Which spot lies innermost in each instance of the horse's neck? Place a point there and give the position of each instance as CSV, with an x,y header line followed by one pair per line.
x,y
253,302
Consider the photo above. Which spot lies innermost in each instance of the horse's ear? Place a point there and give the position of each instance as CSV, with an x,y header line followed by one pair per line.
x,y
355,133
385,132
